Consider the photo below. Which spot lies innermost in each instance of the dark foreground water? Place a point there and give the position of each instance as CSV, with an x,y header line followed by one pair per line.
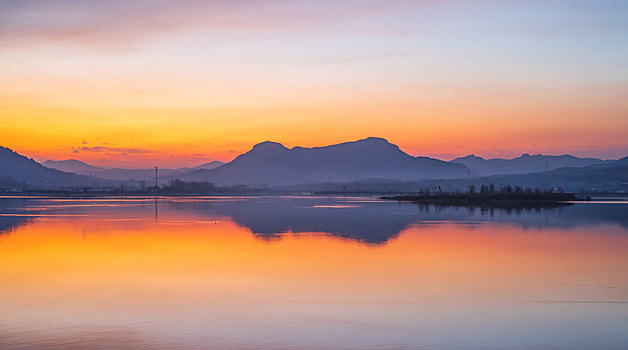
x,y
309,273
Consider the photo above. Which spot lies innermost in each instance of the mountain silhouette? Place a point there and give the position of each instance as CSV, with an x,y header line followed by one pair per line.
x,y
271,163
524,164
121,174
19,172
371,164
608,176
208,166
72,166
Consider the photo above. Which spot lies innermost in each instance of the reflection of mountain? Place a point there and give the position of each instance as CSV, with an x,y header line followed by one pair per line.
x,y
360,219
581,214
10,223
270,217
377,222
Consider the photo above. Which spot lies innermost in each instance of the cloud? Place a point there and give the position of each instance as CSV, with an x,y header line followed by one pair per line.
x,y
124,22
112,150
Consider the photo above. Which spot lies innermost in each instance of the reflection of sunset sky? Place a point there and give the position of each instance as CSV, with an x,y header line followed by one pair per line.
x,y
187,272
178,83
215,279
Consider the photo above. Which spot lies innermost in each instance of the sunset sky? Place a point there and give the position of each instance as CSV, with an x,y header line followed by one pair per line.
x,y
179,83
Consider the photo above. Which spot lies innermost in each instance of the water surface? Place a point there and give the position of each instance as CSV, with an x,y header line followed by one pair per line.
x,y
309,273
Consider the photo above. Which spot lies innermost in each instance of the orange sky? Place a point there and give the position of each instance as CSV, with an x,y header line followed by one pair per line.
x,y
131,84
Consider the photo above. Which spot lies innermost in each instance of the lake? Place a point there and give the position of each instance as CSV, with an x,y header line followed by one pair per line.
x,y
309,273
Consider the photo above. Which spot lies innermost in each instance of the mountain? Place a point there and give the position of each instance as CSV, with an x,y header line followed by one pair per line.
x,y
72,166
272,164
371,164
523,165
208,166
608,177
120,174
20,172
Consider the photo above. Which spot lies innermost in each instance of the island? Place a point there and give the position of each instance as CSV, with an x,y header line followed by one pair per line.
x,y
488,196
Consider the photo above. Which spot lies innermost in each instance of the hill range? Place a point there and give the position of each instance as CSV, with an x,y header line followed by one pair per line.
x,y
372,161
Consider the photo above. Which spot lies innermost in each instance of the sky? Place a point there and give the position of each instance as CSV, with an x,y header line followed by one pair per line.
x,y
178,83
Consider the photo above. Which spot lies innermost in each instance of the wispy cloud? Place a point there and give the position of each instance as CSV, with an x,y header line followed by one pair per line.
x,y
120,22
112,150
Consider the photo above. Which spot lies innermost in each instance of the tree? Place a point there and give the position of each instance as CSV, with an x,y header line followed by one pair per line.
x,y
472,189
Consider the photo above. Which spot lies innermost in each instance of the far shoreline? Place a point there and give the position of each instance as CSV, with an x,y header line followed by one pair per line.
x,y
384,195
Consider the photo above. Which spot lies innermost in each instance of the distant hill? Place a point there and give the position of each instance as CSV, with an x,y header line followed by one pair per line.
x,y
20,172
371,164
120,174
208,166
610,176
523,165
72,166
271,164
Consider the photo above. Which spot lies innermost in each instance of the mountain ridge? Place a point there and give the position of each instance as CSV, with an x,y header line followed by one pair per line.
x,y
524,164
271,163
120,174
72,165
19,172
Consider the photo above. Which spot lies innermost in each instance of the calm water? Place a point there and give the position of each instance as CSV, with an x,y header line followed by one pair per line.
x,y
309,273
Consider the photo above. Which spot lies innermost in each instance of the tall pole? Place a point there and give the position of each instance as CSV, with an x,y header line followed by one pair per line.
x,y
156,170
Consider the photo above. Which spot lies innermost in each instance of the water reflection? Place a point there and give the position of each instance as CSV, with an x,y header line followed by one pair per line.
x,y
111,273
366,220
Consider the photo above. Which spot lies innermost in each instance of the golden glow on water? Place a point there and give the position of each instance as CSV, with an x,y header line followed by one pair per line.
x,y
444,262
212,278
